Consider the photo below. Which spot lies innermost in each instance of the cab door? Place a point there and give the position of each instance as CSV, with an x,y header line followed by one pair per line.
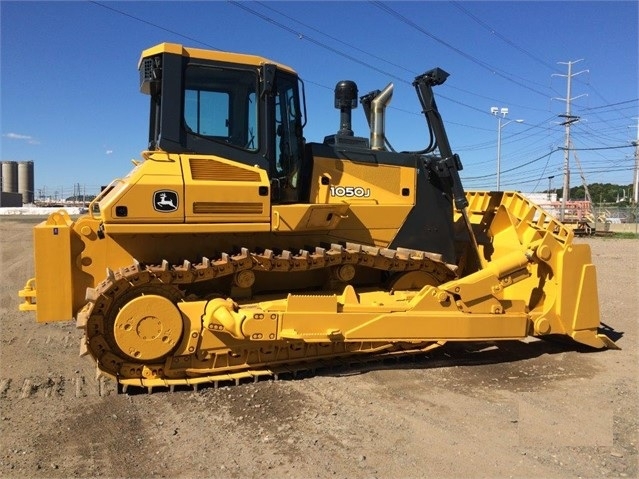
x,y
288,143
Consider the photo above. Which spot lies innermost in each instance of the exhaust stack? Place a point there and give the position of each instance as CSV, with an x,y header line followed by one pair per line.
x,y
378,108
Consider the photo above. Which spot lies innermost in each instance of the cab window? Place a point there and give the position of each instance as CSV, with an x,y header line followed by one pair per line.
x,y
220,105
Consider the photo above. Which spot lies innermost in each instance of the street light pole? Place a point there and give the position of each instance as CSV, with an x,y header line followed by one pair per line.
x,y
503,112
499,150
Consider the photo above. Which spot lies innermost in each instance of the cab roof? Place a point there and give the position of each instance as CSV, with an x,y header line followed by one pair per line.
x,y
216,55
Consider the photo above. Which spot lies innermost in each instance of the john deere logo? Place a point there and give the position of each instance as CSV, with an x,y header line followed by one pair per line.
x,y
165,201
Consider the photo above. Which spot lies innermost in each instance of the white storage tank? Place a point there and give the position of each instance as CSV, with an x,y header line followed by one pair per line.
x,y
9,177
26,183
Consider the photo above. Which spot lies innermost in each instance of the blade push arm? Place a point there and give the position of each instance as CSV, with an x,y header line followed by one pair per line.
x,y
450,164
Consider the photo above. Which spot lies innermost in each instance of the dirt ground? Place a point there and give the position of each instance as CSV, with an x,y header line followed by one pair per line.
x,y
515,409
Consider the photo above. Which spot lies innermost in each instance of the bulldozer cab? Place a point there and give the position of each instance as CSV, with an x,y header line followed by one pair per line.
x,y
238,107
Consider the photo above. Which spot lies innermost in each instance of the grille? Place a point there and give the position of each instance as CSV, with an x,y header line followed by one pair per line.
x,y
206,208
211,170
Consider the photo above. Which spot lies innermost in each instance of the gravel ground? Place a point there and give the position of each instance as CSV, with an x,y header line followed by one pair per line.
x,y
513,409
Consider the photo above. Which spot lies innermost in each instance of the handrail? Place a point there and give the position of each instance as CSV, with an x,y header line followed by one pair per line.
x,y
100,195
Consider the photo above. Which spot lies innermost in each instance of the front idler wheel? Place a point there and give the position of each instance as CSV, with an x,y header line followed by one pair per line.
x,y
148,328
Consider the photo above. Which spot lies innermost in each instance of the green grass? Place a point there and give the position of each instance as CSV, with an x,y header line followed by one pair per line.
x,y
625,235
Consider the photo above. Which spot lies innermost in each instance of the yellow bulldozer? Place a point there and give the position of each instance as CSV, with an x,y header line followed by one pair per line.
x,y
235,249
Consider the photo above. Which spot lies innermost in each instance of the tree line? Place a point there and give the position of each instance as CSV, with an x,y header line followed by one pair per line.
x,y
600,193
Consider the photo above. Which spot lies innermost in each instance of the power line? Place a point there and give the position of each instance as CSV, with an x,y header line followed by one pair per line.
x,y
377,57
473,59
310,39
335,39
303,36
502,37
173,32
518,134
598,148
514,168
611,104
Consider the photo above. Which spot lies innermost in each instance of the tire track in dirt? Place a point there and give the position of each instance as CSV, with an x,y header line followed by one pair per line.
x,y
55,387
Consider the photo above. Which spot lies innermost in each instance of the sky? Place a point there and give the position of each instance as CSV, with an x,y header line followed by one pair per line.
x,y
70,99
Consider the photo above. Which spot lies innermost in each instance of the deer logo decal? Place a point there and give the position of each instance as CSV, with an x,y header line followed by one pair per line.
x,y
165,201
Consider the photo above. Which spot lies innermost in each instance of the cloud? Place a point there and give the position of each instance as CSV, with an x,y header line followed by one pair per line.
x,y
18,136
108,152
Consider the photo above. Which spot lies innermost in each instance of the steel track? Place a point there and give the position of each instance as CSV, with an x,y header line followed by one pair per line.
x,y
169,280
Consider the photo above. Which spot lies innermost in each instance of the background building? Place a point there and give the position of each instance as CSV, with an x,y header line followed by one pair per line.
x,y
17,183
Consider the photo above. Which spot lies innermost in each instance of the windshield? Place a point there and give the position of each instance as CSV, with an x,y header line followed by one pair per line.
x,y
220,105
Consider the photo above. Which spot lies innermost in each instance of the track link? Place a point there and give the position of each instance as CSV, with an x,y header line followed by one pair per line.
x,y
246,361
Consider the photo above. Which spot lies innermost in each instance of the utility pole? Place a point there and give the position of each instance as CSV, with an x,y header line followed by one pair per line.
x,y
569,119
635,183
